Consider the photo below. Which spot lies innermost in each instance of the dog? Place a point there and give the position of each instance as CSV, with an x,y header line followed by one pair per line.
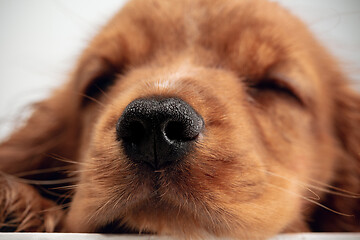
x,y
191,119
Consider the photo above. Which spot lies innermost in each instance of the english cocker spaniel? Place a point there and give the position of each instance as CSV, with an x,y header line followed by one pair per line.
x,y
191,118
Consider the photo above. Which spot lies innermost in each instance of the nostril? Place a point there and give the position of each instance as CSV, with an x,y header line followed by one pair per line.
x,y
130,130
179,131
135,132
174,131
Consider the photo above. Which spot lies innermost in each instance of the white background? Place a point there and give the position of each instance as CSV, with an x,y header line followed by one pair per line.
x,y
41,39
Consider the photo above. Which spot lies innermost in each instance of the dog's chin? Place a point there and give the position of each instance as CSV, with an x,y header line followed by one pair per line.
x,y
151,216
157,204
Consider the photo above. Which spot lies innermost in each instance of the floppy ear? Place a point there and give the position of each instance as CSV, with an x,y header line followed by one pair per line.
x,y
49,128
53,131
55,125
347,175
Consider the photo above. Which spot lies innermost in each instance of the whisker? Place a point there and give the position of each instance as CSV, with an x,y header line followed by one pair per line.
x,y
316,198
98,210
78,171
103,92
65,160
66,196
298,182
51,193
342,192
57,207
309,200
51,182
67,187
40,171
348,195
92,99
40,182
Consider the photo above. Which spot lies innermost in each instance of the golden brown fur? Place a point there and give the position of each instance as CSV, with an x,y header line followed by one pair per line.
x,y
281,133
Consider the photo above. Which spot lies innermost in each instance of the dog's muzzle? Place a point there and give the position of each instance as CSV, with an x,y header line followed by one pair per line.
x,y
158,131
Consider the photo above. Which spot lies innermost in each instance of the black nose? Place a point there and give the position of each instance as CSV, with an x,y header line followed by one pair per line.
x,y
158,131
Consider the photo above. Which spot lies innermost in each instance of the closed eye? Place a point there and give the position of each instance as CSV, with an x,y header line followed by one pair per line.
x,y
99,86
277,86
97,76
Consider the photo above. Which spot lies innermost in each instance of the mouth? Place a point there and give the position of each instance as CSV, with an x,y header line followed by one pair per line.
x,y
158,137
150,205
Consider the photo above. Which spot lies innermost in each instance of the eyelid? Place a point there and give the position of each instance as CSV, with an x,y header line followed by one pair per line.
x,y
283,80
279,82
91,69
94,76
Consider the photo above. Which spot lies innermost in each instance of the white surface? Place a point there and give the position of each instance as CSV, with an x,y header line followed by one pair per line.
x,y
40,40
77,236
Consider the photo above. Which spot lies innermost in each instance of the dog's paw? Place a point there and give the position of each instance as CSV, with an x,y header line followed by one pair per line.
x,y
22,208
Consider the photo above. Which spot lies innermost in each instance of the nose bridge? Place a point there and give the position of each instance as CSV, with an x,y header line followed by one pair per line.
x,y
166,75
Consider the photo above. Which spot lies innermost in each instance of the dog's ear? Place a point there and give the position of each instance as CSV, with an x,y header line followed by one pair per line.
x,y
347,120
49,128
347,174
53,129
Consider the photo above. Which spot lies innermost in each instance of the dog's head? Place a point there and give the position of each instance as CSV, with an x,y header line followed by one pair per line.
x,y
199,117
